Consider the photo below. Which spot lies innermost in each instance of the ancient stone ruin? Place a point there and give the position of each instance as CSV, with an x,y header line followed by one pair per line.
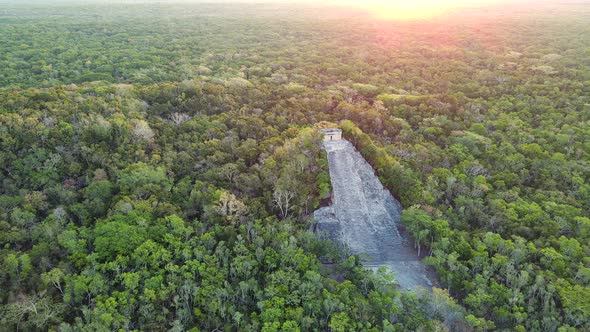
x,y
364,217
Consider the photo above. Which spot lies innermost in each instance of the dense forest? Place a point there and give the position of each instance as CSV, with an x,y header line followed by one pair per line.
x,y
159,165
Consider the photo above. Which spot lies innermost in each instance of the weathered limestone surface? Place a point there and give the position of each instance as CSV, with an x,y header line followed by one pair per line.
x,y
363,217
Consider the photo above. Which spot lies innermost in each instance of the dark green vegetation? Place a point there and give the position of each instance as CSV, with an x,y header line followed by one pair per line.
x,y
158,165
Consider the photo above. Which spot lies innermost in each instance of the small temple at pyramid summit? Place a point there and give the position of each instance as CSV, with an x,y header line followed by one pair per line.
x,y
331,134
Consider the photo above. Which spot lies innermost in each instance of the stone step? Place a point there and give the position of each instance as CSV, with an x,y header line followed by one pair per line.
x,y
364,217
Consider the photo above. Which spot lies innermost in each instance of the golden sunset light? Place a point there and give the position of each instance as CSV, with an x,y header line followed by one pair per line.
x,y
416,10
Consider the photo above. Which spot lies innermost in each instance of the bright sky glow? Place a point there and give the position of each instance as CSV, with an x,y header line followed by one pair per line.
x,y
414,9
399,10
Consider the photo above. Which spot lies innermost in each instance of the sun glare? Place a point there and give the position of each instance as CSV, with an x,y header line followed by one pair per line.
x,y
416,9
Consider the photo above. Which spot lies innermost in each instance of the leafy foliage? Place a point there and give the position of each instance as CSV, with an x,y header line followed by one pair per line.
x,y
166,183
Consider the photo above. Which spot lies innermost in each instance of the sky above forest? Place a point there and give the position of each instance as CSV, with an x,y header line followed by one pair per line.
x,y
382,9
